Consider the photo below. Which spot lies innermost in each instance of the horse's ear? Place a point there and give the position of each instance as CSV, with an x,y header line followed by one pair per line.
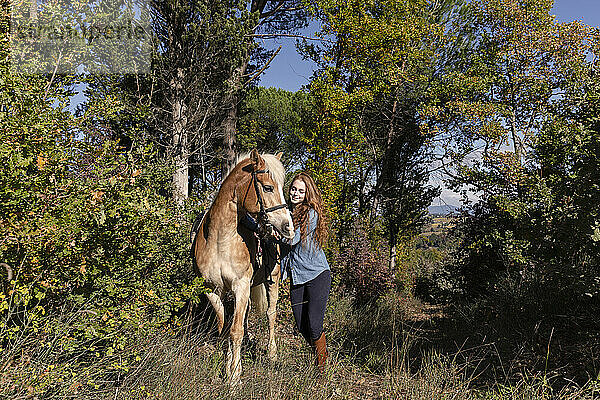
x,y
278,155
255,157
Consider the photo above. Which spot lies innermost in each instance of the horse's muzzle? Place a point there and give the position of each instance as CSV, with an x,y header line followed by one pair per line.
x,y
285,230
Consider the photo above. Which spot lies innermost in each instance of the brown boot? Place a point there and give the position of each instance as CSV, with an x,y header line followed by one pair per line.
x,y
321,354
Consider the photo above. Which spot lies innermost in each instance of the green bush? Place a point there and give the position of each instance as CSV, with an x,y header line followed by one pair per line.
x,y
97,253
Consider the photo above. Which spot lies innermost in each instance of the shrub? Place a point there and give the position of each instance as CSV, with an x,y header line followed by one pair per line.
x,y
97,254
363,265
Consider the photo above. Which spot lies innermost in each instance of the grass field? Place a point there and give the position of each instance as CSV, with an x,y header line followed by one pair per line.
x,y
387,350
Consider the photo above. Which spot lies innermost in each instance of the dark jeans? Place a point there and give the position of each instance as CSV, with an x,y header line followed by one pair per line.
x,y
309,301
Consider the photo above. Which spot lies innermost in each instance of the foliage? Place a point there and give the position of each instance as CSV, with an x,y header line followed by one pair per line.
x,y
270,120
363,266
568,151
425,269
86,233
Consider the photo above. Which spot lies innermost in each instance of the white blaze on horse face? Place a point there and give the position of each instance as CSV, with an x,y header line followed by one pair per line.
x,y
281,219
290,232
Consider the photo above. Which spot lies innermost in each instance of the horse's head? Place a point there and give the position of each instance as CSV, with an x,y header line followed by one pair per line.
x,y
265,192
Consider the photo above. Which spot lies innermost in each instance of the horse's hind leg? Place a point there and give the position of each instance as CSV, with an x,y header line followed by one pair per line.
x,y
217,304
241,291
273,295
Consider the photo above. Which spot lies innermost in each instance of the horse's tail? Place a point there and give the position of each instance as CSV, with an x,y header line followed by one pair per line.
x,y
258,298
194,235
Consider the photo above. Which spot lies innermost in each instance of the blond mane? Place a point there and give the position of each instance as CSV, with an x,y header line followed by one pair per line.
x,y
272,164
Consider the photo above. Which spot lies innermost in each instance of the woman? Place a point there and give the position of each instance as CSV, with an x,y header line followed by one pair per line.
x,y
304,261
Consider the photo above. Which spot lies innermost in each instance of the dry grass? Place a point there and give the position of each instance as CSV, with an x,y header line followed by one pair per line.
x,y
376,352
191,369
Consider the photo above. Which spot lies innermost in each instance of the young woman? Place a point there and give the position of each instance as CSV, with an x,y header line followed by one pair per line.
x,y
303,260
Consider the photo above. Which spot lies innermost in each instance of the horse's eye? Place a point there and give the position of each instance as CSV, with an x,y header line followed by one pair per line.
x,y
268,188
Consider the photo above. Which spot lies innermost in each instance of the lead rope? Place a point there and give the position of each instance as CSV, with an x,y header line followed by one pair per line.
x,y
267,256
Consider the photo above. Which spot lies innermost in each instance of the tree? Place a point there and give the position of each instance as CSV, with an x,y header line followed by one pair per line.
x,y
376,64
199,44
270,120
203,65
205,58
512,92
499,90
273,18
567,151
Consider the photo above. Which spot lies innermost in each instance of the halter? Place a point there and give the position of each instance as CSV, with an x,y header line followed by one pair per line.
x,y
262,214
263,220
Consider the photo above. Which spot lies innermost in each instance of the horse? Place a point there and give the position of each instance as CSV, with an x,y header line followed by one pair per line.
x,y
224,249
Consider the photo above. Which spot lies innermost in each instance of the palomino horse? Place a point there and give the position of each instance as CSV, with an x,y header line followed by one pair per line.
x,y
224,249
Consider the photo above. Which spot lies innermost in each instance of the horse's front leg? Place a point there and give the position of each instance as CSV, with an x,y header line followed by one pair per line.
x,y
273,295
241,292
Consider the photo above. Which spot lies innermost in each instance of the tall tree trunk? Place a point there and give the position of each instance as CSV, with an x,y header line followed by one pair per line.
x,y
180,142
202,166
235,81
393,249
230,123
387,165
386,162
233,98
229,132
518,149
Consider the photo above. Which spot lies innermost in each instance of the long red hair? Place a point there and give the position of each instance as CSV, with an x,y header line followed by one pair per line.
x,y
312,199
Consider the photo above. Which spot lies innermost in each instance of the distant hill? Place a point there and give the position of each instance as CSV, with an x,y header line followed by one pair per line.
x,y
442,210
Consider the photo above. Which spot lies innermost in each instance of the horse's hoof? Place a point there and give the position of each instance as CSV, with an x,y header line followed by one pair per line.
x,y
273,357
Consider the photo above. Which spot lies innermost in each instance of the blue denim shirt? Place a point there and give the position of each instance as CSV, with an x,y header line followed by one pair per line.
x,y
303,261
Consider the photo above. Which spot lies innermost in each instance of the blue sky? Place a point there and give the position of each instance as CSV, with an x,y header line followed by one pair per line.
x,y
288,71
570,10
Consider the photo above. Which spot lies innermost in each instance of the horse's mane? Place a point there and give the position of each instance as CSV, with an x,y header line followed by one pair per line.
x,y
272,164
